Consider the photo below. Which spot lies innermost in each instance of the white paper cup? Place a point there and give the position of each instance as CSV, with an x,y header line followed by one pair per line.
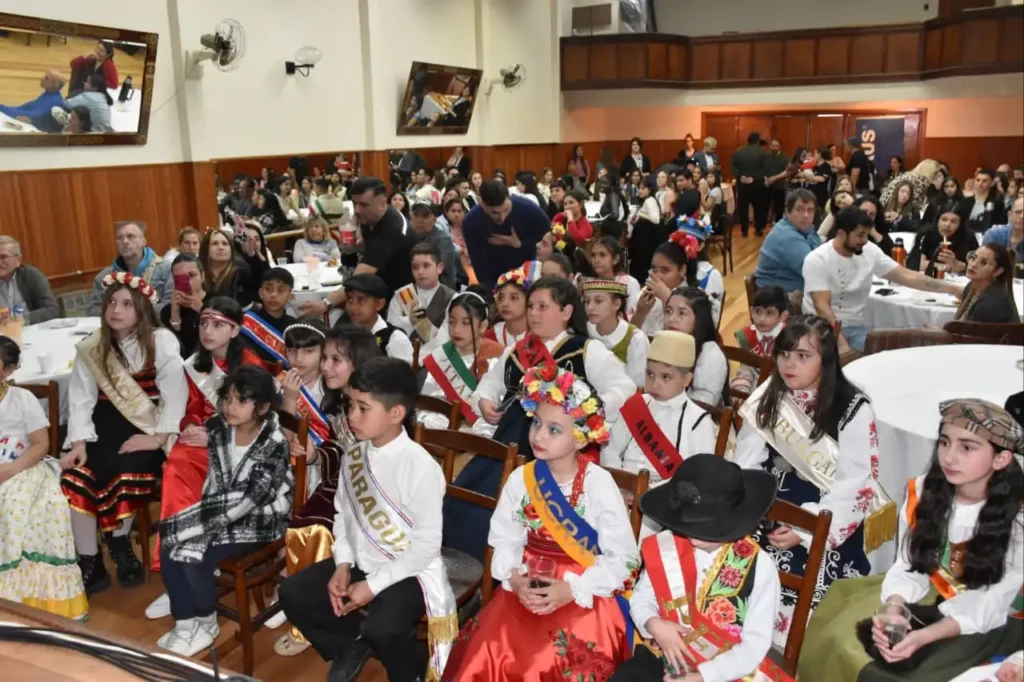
x,y
45,363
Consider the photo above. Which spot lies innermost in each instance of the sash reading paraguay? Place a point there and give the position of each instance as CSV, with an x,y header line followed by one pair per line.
x,y
658,449
455,379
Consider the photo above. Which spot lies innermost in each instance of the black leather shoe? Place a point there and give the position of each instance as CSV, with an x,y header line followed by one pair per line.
x,y
347,666
94,574
129,570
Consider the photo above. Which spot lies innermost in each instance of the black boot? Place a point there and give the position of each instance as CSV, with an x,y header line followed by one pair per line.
x,y
129,570
347,666
94,573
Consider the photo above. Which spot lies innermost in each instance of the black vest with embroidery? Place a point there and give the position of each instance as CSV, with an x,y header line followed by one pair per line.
x,y
568,356
384,336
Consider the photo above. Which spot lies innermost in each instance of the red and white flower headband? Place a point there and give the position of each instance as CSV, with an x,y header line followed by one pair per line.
x,y
132,282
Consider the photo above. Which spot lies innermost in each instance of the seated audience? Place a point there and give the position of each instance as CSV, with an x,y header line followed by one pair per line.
x,y
365,297
24,286
590,566
781,258
181,316
838,277
1010,236
768,313
829,417
558,265
97,100
420,309
574,218
455,214
327,204
606,259
422,189
988,296
946,244
840,199
510,302
424,226
51,84
880,232
188,242
921,177
37,554
263,325
502,232
231,274
710,508
134,257
267,212
245,504
316,242
901,211
605,304
688,310
114,464
100,60
987,207
946,196
361,601
960,536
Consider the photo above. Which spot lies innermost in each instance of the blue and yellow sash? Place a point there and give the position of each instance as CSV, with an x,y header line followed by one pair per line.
x,y
264,336
569,530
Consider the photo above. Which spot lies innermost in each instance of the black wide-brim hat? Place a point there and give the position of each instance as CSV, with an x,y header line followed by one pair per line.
x,y
709,498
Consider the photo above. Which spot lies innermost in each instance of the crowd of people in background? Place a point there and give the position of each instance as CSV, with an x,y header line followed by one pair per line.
x,y
574,315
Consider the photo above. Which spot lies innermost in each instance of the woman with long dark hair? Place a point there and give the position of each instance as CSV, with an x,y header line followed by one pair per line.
x,y
225,271
578,165
961,536
988,296
944,244
689,310
816,432
950,195
879,234
266,209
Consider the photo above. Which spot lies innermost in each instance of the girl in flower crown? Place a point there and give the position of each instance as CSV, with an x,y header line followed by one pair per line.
x,y
510,300
563,550
37,551
127,397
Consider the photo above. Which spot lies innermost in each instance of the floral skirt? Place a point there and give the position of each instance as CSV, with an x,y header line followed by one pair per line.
x,y
38,562
508,642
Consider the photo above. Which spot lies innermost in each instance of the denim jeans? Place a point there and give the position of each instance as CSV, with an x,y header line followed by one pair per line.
x,y
855,336
192,587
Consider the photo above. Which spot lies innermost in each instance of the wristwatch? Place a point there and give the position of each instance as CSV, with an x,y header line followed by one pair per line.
x,y
326,300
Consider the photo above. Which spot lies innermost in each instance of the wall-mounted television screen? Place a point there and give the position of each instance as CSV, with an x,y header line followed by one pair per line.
x,y
438,100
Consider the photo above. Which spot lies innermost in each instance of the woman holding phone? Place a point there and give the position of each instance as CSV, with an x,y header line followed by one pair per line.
x,y
182,315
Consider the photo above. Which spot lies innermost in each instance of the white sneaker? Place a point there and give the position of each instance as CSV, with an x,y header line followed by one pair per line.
x,y
210,624
188,638
277,620
160,608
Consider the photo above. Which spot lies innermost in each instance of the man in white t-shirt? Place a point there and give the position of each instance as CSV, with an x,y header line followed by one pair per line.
x,y
838,274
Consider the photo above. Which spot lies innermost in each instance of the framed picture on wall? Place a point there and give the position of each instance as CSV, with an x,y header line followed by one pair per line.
x,y
438,100
66,84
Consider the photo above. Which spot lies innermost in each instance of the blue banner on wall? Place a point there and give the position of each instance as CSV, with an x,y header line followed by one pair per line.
x,y
882,139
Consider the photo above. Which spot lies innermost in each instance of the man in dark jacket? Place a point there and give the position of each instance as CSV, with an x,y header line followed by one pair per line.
x,y
23,286
748,169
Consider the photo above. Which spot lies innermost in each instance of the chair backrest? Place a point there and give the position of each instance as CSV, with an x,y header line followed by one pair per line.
x,y
51,394
721,314
416,353
817,524
446,445
636,485
764,366
1010,334
751,286
453,411
300,427
723,416
879,340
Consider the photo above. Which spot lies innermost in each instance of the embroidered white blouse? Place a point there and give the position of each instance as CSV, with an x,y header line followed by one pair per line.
x,y
414,483
600,505
678,418
709,375
636,352
505,338
170,380
756,638
976,611
398,314
604,372
399,345
849,495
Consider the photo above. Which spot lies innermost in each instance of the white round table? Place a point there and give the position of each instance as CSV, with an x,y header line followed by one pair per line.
x,y
325,280
58,338
912,309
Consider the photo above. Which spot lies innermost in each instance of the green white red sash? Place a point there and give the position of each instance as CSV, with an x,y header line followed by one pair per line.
x,y
388,529
653,442
455,379
672,569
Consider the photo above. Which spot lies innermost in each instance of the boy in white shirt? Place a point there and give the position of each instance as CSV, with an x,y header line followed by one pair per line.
x,y
768,313
387,543
662,426
709,508
365,297
418,309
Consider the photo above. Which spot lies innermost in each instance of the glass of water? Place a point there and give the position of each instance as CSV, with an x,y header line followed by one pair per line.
x,y
895,621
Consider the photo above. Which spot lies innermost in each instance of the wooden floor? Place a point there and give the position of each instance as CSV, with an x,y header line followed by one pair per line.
x,y
22,65
121,610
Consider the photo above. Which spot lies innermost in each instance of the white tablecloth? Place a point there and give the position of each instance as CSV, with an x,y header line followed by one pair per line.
x,y
307,289
58,339
124,116
912,309
12,125
906,386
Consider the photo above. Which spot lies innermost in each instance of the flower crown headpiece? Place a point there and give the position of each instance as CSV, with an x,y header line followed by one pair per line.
x,y
687,241
700,229
558,231
550,384
132,282
525,275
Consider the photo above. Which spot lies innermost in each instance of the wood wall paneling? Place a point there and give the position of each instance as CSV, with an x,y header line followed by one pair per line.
x,y
968,43
964,155
767,59
823,130
792,131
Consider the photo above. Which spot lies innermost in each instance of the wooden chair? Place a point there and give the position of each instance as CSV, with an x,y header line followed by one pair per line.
x,y
764,366
416,345
817,524
721,314
636,485
465,573
453,411
51,394
879,340
721,237
751,286
247,576
1007,334
723,416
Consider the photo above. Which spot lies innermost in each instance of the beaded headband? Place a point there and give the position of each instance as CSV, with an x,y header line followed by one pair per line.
x,y
606,285
211,314
132,282
550,384
300,325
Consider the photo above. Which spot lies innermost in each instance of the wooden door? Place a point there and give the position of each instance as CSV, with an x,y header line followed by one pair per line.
x,y
792,132
755,123
826,129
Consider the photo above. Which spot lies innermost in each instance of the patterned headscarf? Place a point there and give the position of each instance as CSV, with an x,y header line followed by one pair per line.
x,y
986,420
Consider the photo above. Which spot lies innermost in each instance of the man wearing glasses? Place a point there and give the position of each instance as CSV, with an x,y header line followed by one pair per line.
x,y
135,257
23,286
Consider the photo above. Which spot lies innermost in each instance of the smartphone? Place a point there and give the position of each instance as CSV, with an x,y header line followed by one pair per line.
x,y
182,283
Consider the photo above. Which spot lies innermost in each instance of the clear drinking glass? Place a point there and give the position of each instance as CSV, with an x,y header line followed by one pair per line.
x,y
895,621
541,571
